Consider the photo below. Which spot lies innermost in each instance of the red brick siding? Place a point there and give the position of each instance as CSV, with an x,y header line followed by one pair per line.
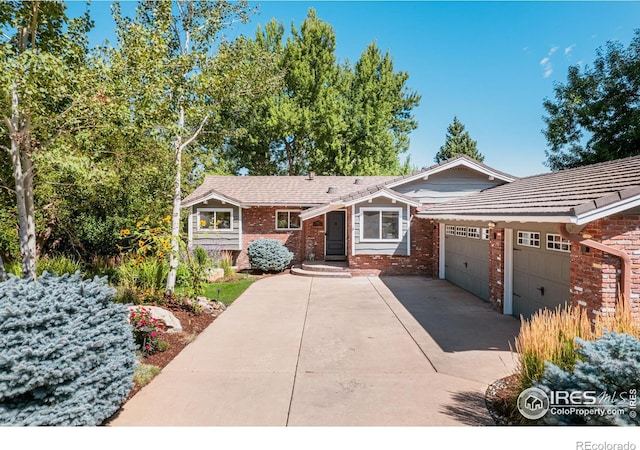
x,y
496,268
595,275
421,261
313,238
260,223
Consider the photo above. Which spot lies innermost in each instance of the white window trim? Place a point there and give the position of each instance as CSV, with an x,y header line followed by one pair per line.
x,y
529,238
561,242
450,230
484,234
461,231
476,231
217,230
297,211
380,209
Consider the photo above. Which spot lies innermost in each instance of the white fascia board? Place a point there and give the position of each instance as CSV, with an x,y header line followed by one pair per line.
x,y
211,196
315,212
498,218
387,194
608,210
451,165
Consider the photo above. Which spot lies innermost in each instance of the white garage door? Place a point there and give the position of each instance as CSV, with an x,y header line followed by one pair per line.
x,y
541,262
467,259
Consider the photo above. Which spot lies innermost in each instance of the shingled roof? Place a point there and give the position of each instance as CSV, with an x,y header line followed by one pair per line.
x,y
577,195
281,190
317,190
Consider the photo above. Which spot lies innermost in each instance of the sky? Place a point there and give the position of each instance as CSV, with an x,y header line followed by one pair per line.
x,y
491,64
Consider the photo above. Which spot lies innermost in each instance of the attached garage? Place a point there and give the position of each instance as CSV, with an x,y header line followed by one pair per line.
x,y
541,269
466,253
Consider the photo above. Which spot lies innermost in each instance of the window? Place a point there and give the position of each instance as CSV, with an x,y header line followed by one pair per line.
x,y
381,224
485,234
529,239
473,232
461,231
215,219
450,229
556,242
288,220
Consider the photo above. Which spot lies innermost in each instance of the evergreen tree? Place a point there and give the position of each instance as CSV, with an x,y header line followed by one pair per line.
x,y
458,142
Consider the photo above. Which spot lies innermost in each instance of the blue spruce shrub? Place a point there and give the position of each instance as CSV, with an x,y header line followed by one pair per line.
x,y
67,354
269,255
609,365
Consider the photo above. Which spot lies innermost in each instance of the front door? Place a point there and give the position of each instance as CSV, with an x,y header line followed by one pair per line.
x,y
335,234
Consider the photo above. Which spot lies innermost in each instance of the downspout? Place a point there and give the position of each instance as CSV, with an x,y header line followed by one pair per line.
x,y
625,260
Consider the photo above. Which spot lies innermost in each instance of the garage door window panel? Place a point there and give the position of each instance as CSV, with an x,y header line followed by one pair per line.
x,y
557,243
529,239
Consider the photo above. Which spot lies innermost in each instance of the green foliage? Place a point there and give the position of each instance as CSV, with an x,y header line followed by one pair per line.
x,y
146,275
269,255
145,373
327,117
226,263
198,262
58,265
67,355
595,116
147,331
609,365
458,142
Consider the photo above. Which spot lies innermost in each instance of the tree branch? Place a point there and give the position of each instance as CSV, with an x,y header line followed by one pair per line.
x,y
195,133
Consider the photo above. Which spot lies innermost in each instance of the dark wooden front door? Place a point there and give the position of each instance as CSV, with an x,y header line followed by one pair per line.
x,y
335,234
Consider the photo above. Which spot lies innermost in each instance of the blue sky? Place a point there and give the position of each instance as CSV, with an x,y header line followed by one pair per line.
x,y
491,64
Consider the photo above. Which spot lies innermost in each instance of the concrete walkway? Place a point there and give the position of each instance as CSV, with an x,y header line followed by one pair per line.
x,y
360,351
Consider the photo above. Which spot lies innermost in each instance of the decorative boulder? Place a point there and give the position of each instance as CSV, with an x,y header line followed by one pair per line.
x,y
214,275
171,321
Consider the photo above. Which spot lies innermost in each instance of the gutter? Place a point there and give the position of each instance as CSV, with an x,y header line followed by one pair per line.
x,y
625,260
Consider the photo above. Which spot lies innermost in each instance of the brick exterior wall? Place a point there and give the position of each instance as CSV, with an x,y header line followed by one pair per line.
x,y
313,238
595,275
496,268
421,261
260,223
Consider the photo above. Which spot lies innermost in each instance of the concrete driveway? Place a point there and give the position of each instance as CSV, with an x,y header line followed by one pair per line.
x,y
402,351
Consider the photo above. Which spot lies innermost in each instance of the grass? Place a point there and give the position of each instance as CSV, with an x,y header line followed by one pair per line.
x,y
229,291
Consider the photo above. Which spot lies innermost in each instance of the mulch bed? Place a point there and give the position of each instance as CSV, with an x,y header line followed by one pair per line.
x,y
500,400
192,325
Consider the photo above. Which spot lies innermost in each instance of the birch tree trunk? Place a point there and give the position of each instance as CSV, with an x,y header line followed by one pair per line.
x,y
174,257
3,273
23,178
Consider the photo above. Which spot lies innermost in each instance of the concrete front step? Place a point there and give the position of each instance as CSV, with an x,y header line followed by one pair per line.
x,y
325,267
319,274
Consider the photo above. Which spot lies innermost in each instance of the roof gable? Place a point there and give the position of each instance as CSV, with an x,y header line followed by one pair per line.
x,y
458,161
578,195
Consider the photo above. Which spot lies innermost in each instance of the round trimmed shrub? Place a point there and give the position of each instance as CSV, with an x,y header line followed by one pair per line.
x,y
67,354
269,255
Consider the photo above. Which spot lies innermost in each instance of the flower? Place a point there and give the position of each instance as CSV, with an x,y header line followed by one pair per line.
x,y
140,243
125,232
203,223
139,223
167,219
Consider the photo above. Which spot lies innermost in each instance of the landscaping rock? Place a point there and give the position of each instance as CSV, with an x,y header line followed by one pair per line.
x,y
172,322
210,306
214,275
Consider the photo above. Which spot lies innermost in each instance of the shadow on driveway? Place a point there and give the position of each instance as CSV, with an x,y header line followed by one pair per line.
x,y
457,320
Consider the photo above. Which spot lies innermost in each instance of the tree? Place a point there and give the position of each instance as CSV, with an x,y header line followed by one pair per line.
x,y
174,50
43,80
329,117
458,142
596,114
